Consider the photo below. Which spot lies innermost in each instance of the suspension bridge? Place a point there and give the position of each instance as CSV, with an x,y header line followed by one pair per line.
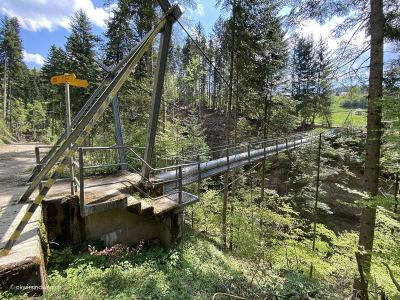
x,y
144,200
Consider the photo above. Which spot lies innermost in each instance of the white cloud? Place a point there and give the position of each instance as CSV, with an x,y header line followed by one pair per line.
x,y
312,27
33,58
35,15
200,9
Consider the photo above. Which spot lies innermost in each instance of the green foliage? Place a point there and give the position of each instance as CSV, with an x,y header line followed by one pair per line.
x,y
80,53
5,136
19,117
354,98
11,56
182,136
196,271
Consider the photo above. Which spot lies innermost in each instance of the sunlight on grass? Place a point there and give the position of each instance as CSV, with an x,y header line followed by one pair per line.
x,y
355,117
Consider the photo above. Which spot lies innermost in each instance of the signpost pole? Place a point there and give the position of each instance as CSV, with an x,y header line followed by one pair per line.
x,y
68,115
67,80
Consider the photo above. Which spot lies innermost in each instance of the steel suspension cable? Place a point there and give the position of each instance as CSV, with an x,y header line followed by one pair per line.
x,y
203,53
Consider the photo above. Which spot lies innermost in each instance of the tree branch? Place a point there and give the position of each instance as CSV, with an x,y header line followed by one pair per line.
x,y
396,284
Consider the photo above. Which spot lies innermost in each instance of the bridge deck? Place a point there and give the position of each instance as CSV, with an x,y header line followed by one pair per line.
x,y
217,166
98,188
101,193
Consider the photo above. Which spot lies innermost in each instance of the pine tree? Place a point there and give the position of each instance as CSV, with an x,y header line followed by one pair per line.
x,y
120,37
80,53
354,13
304,77
55,64
11,63
323,100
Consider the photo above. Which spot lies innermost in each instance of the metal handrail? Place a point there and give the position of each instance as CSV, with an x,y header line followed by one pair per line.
x,y
229,150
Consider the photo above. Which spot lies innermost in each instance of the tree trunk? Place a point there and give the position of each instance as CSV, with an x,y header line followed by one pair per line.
x,y
228,124
371,174
396,191
5,93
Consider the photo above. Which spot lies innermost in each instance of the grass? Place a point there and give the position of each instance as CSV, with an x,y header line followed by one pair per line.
x,y
197,270
339,115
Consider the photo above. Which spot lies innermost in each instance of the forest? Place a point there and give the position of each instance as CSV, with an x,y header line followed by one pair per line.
x,y
317,222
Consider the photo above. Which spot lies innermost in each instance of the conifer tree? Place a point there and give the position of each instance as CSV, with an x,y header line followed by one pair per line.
x,y
323,100
55,64
304,77
11,61
381,16
80,53
120,37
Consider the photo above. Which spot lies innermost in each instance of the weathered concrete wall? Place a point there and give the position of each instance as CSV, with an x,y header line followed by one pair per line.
x,y
66,227
121,226
23,269
63,221
170,229
27,277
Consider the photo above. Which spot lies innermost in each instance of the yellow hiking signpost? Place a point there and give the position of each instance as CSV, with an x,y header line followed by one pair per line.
x,y
69,79
102,97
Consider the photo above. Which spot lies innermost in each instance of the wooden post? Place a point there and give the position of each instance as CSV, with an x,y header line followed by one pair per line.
x,y
316,201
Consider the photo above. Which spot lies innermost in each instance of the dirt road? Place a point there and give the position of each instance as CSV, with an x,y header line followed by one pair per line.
x,y
16,163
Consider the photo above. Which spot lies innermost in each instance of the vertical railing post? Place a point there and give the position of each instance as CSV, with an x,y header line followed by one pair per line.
x,y
81,184
301,140
276,146
286,145
198,186
176,172
294,142
180,183
227,158
198,176
248,151
265,150
316,200
39,167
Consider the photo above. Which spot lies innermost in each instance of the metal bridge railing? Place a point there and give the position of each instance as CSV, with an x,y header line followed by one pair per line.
x,y
40,163
180,164
83,168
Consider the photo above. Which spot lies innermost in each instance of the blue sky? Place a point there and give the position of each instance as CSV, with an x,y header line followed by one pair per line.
x,y
45,22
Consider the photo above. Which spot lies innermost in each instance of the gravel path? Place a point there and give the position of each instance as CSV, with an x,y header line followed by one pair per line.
x,y
16,163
